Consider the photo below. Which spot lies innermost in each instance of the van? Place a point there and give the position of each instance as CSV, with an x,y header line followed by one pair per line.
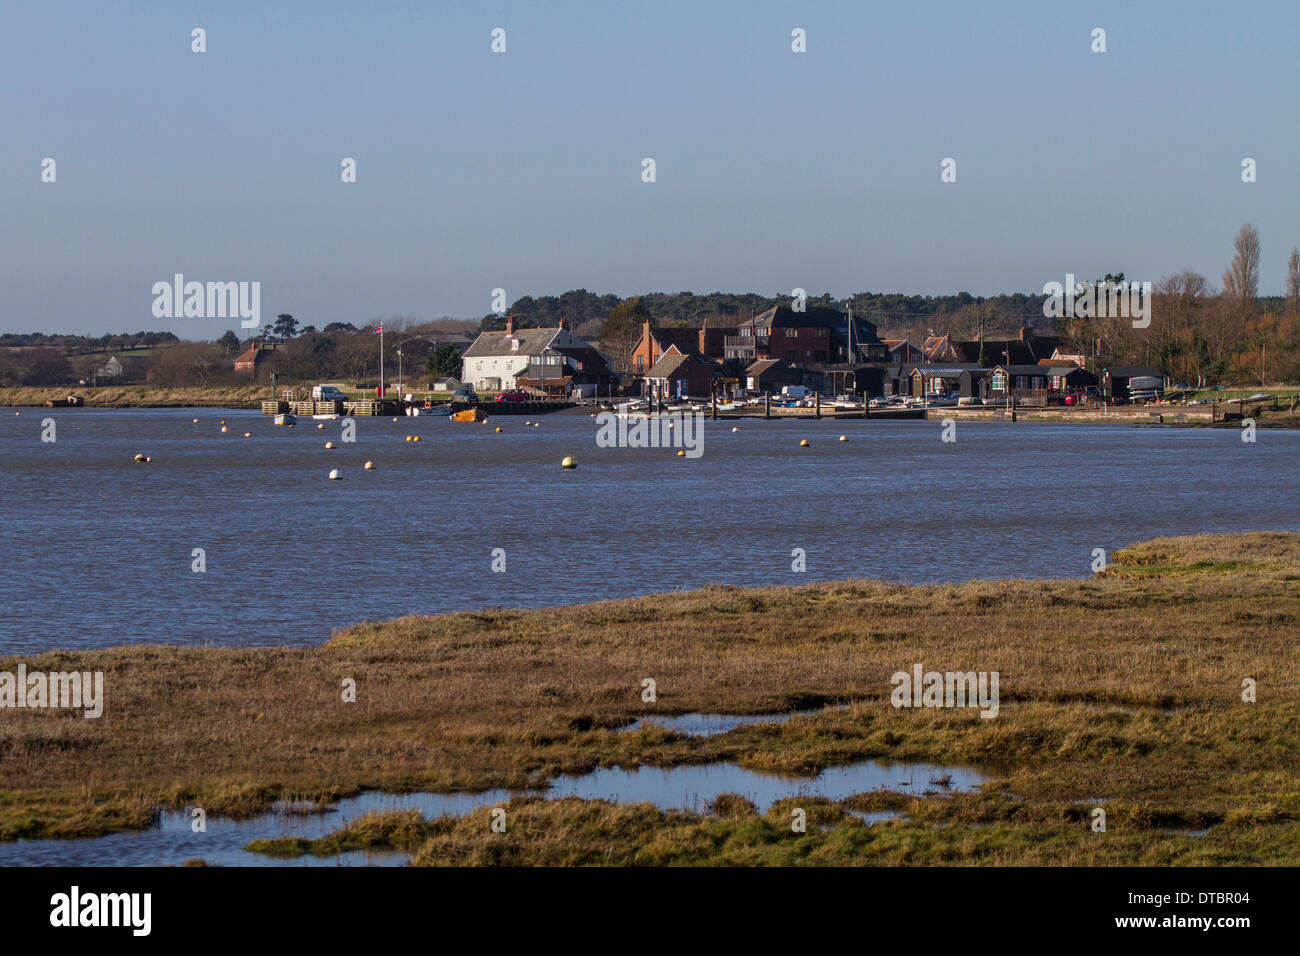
x,y
327,393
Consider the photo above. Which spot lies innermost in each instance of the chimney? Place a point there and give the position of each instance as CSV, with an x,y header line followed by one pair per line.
x,y
564,323
510,325
1026,332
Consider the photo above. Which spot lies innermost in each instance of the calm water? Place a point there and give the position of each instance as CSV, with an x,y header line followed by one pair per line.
x,y
687,788
95,550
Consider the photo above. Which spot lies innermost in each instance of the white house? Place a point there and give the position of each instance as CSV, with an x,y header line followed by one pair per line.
x,y
496,358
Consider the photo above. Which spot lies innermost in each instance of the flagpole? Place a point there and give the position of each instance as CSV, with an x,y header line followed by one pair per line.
x,y
381,361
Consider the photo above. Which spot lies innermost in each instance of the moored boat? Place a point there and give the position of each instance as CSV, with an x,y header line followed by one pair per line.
x,y
473,414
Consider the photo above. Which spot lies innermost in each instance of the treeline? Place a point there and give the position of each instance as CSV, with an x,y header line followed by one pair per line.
x,y
1227,335
113,341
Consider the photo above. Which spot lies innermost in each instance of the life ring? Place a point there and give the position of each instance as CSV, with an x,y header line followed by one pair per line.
x,y
428,404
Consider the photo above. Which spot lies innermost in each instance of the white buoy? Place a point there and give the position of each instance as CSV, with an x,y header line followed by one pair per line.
x,y
329,444
569,462
335,475
844,438
248,434
803,443
225,428
321,425
370,466
734,429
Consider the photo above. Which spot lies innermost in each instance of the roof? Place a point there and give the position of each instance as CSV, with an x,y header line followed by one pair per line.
x,y
684,339
531,342
590,361
815,317
1133,371
761,366
1026,352
548,382
668,363
674,361
1023,369
253,354
941,370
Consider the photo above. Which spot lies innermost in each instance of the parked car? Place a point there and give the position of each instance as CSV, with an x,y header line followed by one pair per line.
x,y
465,394
327,393
513,395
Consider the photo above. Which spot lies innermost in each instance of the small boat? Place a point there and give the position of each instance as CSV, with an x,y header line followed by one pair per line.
x,y
474,414
286,419
322,418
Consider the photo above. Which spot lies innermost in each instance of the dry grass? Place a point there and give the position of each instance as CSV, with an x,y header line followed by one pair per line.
x,y
142,396
507,698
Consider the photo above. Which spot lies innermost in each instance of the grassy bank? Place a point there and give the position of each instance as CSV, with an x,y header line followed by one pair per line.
x,y
1126,687
141,396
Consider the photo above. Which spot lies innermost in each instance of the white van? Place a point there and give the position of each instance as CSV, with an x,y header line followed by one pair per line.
x,y
327,393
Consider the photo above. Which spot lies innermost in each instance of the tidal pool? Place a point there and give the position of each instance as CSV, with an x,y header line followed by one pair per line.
x,y
172,842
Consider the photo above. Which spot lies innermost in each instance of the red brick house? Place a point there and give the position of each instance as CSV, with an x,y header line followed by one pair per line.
x,y
678,374
255,358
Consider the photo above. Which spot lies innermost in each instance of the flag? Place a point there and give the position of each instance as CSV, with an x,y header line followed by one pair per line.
x,y
379,329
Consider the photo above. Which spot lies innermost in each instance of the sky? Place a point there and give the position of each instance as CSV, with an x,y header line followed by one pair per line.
x,y
523,170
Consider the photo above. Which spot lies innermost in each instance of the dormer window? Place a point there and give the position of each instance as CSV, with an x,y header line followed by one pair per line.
x,y
514,345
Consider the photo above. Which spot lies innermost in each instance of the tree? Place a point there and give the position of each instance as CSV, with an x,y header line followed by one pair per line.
x,y
444,362
622,330
286,326
1241,280
1293,283
340,327
229,342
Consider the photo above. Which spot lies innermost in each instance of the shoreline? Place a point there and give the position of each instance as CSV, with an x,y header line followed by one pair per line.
x,y
248,398
1125,686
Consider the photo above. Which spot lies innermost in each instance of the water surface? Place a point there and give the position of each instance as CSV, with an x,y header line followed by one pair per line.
x,y
96,550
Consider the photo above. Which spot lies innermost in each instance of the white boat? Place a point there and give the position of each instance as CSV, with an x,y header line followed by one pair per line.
x,y
322,418
285,419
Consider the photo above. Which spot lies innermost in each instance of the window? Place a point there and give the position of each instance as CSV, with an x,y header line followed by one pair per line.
x,y
819,333
640,363
999,381
791,333
1020,381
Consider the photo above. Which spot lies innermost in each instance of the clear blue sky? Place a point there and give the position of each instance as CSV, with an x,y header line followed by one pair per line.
x,y
523,170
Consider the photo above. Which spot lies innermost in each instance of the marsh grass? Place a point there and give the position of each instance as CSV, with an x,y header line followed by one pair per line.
x,y
508,698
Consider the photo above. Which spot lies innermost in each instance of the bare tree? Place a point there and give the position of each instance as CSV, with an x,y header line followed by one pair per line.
x,y
1241,280
1293,283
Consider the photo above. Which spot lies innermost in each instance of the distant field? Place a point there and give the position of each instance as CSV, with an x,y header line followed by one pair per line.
x,y
1122,691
